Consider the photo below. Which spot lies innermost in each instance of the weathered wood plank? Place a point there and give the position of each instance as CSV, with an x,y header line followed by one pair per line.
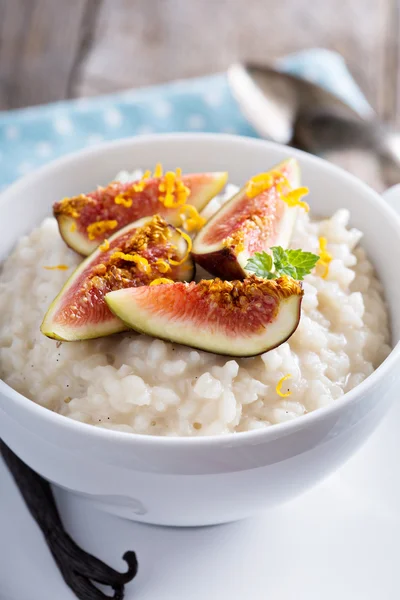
x,y
46,54
87,31
388,91
140,42
39,40
14,22
393,74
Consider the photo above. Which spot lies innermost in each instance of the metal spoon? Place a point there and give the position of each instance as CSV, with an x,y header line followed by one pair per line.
x,y
290,110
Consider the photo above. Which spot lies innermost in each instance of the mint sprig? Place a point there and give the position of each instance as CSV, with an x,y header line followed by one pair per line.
x,y
293,263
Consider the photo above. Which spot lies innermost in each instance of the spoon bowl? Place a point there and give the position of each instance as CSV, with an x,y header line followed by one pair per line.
x,y
289,110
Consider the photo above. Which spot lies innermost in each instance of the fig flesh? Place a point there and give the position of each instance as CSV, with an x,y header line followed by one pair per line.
x,y
138,254
85,220
235,318
255,219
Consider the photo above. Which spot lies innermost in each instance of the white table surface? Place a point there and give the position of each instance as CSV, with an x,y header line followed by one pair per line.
x,y
339,541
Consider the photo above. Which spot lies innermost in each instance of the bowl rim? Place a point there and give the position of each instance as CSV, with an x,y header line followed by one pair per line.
x,y
231,439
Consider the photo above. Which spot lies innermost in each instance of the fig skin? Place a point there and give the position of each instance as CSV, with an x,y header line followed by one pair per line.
x,y
236,318
79,311
75,214
225,258
222,263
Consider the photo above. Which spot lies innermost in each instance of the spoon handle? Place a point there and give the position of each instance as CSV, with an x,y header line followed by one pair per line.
x,y
328,132
322,132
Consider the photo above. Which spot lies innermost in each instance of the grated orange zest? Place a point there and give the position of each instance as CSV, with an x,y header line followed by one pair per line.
x,y
72,207
160,281
104,246
191,220
73,227
279,386
173,192
99,227
325,257
57,268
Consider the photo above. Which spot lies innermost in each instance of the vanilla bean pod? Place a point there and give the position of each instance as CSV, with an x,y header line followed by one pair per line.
x,y
78,568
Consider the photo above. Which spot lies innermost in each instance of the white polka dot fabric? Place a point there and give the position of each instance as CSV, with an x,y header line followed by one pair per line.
x,y
31,137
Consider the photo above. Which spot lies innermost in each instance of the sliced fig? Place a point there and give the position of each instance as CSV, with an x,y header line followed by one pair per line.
x,y
256,218
235,318
84,221
139,253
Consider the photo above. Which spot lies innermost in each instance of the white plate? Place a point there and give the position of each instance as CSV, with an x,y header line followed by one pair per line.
x,y
341,541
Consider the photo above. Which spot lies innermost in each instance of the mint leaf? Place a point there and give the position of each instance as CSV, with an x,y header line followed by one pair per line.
x,y
261,265
303,262
281,262
293,263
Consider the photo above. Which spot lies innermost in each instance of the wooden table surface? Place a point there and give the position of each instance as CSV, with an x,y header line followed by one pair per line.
x,y
56,49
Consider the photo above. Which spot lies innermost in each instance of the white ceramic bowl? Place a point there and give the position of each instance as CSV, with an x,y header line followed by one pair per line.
x,y
203,480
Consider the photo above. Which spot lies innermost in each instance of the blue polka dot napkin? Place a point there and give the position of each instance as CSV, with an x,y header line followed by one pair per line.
x,y
33,136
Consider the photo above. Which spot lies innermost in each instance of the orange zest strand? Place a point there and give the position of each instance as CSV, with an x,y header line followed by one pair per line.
x,y
279,386
191,220
57,268
123,200
162,265
259,183
140,185
99,227
264,181
160,281
188,240
293,198
158,171
325,257
142,262
105,246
